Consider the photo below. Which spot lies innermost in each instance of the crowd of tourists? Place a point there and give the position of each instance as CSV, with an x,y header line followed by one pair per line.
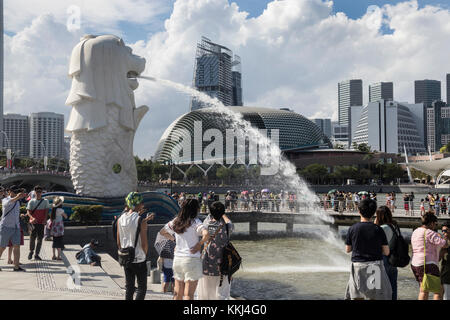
x,y
251,200
41,219
196,261
378,249
341,201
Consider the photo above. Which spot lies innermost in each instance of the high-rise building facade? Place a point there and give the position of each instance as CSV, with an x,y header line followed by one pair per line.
x,y
438,125
237,88
17,130
324,125
217,74
427,91
381,91
389,126
448,89
47,135
1,69
350,93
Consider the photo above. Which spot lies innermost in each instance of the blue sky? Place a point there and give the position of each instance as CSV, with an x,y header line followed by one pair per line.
x,y
352,8
300,69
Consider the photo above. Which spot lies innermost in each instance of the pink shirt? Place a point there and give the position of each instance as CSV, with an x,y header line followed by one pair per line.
x,y
434,242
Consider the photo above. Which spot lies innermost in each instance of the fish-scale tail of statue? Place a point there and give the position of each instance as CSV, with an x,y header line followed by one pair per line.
x,y
102,162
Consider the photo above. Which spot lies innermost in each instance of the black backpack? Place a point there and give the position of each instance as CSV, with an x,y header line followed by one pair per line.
x,y
399,256
231,261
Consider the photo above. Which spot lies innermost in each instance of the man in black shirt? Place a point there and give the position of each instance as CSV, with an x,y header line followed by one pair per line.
x,y
368,243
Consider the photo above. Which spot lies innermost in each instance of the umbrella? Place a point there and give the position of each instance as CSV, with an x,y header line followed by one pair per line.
x,y
265,190
363,192
332,191
164,247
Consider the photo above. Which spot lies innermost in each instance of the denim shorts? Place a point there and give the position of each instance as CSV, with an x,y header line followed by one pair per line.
x,y
168,275
9,234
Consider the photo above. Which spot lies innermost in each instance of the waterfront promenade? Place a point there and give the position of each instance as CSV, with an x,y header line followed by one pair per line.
x,y
54,280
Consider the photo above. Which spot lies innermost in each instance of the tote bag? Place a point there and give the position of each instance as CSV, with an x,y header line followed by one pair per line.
x,y
430,283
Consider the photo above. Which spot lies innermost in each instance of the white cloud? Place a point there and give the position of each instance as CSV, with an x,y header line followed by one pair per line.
x,y
101,15
293,55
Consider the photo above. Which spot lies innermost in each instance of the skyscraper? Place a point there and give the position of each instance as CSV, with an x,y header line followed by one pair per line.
x,y
17,129
47,135
217,74
350,93
448,89
381,91
324,125
236,75
390,126
438,125
427,91
1,70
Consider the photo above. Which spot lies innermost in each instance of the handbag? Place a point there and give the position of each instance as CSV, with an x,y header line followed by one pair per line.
x,y
430,283
126,255
231,261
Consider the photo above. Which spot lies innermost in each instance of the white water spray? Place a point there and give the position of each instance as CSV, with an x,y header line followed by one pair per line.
x,y
287,176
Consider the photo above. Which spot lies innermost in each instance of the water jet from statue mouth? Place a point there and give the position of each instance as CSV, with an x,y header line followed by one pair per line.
x,y
132,75
147,77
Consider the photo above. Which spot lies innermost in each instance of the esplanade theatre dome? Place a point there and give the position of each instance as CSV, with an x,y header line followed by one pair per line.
x,y
295,131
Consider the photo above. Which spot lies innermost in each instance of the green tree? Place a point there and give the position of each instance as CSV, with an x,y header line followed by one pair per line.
x,y
224,174
159,169
363,147
345,172
392,171
194,173
315,172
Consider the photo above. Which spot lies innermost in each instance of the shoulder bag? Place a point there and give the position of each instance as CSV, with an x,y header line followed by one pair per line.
x,y
430,283
231,261
10,210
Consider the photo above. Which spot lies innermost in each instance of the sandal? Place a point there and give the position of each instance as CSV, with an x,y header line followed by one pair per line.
x,y
10,262
54,258
59,259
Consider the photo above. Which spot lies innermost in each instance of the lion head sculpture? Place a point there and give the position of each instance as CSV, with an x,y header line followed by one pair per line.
x,y
103,69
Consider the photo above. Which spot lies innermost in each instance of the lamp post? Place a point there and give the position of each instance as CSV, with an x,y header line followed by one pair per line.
x,y
45,155
8,151
170,163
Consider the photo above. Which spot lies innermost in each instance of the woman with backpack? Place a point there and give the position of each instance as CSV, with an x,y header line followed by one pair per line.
x,y
214,286
186,230
385,221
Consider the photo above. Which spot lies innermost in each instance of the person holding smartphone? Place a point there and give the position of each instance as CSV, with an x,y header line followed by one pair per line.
x,y
10,224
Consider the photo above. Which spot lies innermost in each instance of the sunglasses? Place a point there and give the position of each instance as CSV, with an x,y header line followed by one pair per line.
x,y
445,231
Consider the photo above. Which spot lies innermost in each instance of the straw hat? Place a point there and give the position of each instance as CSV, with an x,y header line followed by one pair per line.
x,y
57,201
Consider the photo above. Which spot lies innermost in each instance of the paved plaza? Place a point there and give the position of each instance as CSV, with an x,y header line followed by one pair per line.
x,y
54,280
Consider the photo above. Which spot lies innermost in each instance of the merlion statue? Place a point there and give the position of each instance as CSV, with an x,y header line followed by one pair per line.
x,y
104,117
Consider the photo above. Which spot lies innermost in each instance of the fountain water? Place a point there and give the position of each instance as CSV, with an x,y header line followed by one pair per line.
x,y
287,176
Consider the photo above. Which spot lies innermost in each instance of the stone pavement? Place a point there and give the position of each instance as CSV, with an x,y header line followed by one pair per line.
x,y
65,280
